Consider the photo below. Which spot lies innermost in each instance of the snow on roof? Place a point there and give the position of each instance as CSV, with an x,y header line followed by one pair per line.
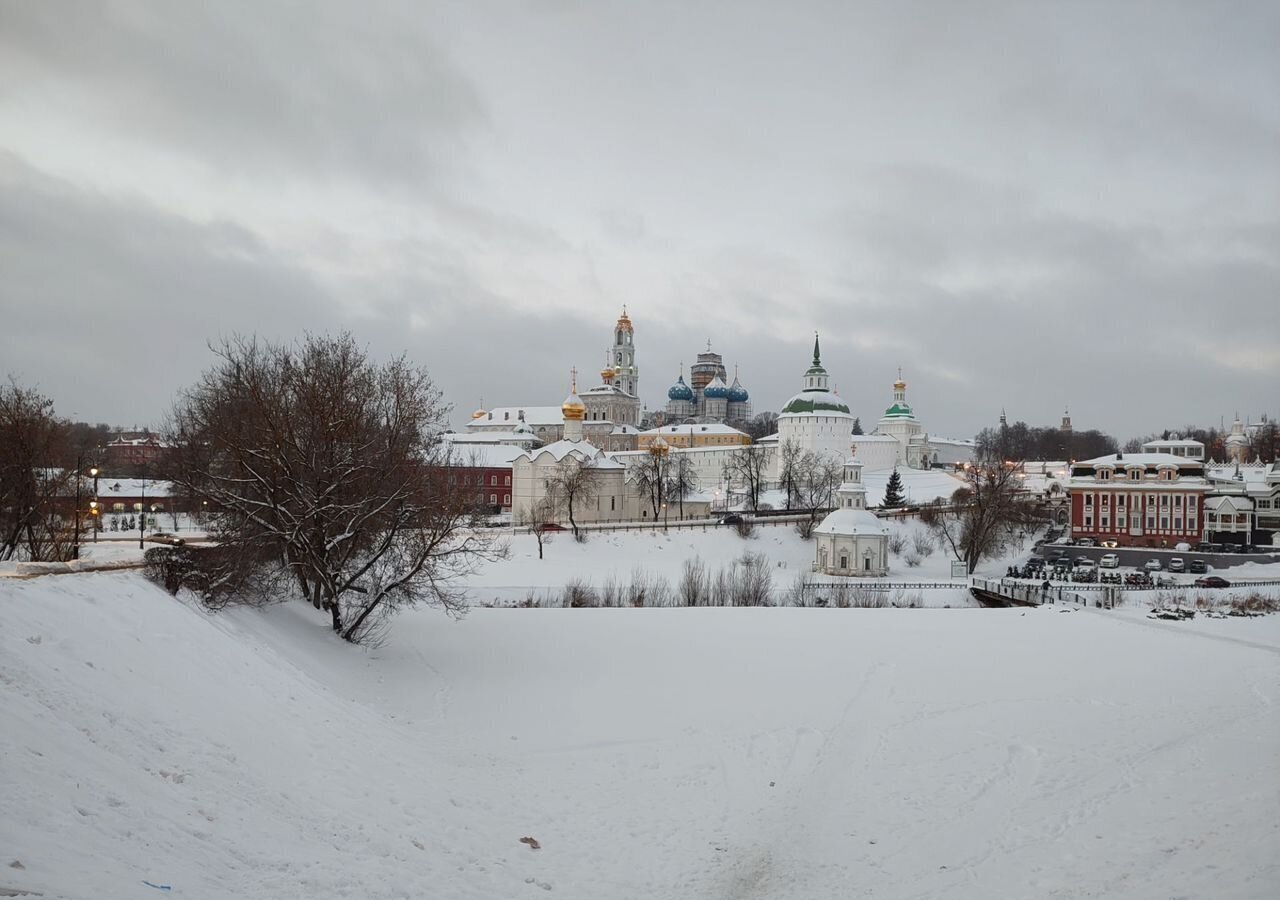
x,y
533,415
486,437
484,456
695,428
951,442
874,439
560,449
851,521
1173,442
1140,459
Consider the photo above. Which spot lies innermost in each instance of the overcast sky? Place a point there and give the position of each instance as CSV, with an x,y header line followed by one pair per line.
x,y
1022,205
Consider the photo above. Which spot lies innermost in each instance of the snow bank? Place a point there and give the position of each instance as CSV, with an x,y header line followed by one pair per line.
x,y
705,753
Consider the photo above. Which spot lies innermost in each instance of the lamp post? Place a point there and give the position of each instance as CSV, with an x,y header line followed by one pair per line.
x,y
95,513
142,515
75,547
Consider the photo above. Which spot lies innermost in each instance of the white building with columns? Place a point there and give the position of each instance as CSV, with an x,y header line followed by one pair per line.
x,y
851,540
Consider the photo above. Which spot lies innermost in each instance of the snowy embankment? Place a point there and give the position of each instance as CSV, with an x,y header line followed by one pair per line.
x,y
617,555
676,753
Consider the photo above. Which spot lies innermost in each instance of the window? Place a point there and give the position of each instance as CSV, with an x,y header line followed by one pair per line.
x,y
613,503
1104,474
1177,501
506,499
1164,522
507,480
1177,524
1164,500
1088,521
1135,474
1106,499
844,561
1088,499
493,499
1120,500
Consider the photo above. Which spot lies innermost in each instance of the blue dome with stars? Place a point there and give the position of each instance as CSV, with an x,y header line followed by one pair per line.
x,y
680,391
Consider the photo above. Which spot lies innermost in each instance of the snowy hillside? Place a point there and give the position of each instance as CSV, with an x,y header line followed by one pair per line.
x,y
661,554
705,753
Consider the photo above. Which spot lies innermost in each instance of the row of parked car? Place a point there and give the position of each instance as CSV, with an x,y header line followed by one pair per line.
x,y
1202,547
1059,566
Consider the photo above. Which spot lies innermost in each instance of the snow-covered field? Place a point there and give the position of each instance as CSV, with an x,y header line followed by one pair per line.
x,y
617,554
672,753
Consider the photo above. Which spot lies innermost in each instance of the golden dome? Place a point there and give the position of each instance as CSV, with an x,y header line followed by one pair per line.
x,y
899,385
624,321
479,414
607,374
573,409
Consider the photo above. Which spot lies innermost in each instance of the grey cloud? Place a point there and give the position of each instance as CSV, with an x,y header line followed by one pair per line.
x,y
243,86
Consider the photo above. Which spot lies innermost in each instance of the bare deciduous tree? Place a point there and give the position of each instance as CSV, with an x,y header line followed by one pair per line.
x,y
35,478
683,479
748,468
985,514
653,474
791,471
819,477
542,515
575,484
317,457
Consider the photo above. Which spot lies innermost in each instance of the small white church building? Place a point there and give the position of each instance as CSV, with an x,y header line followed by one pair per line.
x,y
851,540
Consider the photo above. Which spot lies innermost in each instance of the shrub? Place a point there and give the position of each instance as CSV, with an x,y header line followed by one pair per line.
x,y
897,543
922,544
695,583
912,559
579,594
745,527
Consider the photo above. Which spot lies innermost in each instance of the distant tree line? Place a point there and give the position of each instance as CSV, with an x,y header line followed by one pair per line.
x,y
1020,441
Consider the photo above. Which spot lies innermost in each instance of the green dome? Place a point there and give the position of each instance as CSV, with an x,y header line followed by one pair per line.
x,y
899,411
815,402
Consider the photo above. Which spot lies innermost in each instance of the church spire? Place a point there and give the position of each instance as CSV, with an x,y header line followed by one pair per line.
x,y
817,357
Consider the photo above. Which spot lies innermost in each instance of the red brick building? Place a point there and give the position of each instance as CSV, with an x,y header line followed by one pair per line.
x,y
133,451
487,470
1138,499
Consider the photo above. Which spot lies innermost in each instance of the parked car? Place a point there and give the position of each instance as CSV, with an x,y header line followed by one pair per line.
x,y
550,526
161,537
1204,547
1109,561
1110,545
730,519
1153,565
1177,564
1085,562
1085,542
1213,581
1197,567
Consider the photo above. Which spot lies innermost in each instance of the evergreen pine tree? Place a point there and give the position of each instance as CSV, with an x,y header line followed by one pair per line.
x,y
857,426
893,496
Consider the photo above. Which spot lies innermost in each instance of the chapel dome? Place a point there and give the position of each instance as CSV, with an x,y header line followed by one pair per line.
x,y
716,389
812,402
680,391
737,393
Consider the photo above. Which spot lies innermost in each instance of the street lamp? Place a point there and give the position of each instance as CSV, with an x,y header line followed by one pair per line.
x,y
75,547
93,504
142,515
